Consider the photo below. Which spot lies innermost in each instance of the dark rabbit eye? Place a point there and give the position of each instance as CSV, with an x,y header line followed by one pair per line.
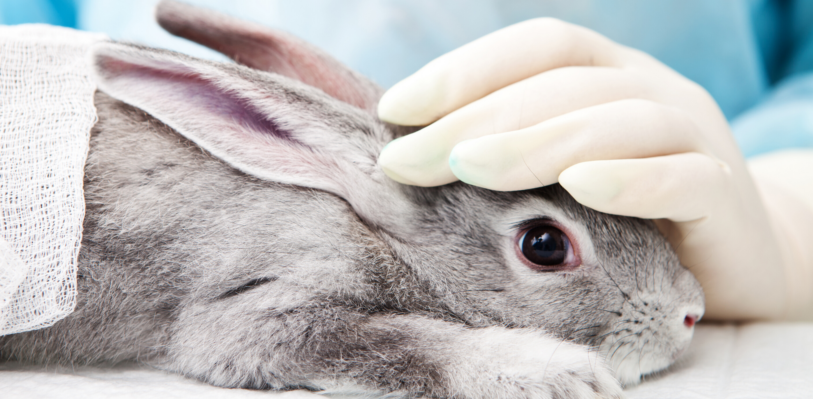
x,y
546,245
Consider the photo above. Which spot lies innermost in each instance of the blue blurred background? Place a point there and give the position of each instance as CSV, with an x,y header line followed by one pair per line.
x,y
754,56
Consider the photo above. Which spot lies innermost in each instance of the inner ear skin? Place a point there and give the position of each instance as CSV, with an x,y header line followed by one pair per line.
x,y
190,85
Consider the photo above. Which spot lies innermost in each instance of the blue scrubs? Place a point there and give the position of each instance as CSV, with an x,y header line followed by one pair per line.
x,y
754,56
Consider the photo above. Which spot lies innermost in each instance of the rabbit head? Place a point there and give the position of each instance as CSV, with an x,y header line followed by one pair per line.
x,y
533,259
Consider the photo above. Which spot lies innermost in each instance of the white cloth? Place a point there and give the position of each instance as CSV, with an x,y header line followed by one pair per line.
x,y
46,113
759,360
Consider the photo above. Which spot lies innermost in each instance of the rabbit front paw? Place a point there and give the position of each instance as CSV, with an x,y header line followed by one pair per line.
x,y
500,363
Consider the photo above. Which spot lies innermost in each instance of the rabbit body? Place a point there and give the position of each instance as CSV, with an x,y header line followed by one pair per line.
x,y
303,266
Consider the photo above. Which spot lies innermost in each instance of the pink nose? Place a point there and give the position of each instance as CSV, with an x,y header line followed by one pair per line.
x,y
689,320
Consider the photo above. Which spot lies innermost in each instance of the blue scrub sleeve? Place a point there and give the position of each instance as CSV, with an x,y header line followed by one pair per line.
x,y
784,119
54,12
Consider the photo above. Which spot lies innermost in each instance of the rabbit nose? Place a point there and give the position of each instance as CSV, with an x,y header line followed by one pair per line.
x,y
690,320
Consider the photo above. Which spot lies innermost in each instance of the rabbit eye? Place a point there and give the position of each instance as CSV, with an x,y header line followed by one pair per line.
x,y
546,245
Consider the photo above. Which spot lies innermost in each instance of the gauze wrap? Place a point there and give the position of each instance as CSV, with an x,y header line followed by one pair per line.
x,y
46,113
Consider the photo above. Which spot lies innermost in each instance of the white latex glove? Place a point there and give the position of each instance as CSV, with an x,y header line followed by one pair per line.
x,y
545,101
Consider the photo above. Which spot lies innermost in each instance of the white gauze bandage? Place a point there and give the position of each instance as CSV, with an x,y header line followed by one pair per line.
x,y
46,113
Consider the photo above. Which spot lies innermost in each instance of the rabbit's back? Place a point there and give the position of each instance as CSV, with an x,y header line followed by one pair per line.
x,y
170,229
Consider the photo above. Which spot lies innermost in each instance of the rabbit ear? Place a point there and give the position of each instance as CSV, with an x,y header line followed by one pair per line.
x,y
262,124
269,50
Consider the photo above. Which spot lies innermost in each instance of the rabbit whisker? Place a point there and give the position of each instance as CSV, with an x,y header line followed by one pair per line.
x,y
615,312
626,296
625,343
481,290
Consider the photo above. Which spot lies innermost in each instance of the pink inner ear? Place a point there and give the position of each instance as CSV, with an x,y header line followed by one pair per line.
x,y
269,50
258,124
193,95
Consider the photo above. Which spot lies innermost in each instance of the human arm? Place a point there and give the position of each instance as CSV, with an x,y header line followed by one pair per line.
x,y
785,181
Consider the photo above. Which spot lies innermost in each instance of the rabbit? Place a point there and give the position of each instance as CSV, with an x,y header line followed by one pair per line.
x,y
239,231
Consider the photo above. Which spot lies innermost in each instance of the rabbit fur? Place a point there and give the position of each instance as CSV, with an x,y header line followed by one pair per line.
x,y
239,232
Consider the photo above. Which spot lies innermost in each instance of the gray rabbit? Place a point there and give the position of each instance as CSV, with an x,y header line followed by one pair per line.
x,y
238,231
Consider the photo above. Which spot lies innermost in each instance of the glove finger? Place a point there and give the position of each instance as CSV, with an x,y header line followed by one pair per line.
x,y
494,61
535,156
679,187
421,158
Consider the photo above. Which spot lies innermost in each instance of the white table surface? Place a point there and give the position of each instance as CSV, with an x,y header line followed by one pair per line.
x,y
725,361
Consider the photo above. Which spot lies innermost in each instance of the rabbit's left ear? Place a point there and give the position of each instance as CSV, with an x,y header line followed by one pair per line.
x,y
264,125
268,50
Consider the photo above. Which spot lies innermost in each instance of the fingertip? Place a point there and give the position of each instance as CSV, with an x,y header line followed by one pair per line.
x,y
392,160
590,185
478,163
461,165
388,162
393,107
398,178
416,160
414,101
680,187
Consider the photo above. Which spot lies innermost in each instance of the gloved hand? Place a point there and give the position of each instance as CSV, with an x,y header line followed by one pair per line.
x,y
545,101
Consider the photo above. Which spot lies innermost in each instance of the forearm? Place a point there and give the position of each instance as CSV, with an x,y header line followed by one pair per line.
x,y
785,181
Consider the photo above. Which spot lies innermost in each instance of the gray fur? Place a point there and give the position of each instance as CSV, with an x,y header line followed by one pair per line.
x,y
196,267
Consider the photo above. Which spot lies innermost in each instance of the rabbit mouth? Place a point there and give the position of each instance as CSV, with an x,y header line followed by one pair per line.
x,y
679,353
646,338
635,359
635,355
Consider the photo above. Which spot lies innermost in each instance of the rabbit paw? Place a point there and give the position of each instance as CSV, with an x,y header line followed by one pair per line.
x,y
500,363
